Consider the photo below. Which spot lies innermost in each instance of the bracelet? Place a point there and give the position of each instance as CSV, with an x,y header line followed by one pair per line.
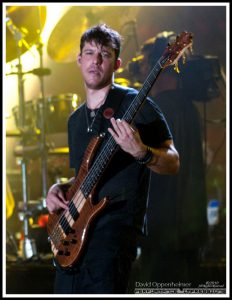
x,y
147,158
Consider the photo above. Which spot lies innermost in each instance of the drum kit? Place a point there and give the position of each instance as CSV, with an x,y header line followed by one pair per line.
x,y
37,118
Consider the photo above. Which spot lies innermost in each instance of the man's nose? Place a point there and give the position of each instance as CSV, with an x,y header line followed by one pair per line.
x,y
98,58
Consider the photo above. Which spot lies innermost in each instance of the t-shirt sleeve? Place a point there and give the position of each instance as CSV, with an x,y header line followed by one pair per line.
x,y
152,125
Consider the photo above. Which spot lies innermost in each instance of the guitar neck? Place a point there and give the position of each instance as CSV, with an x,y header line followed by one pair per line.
x,y
110,146
141,96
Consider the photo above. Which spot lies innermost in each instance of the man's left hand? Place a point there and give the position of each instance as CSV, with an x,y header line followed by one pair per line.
x,y
127,138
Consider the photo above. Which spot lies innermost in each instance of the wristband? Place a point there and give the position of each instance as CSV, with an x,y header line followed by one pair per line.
x,y
147,158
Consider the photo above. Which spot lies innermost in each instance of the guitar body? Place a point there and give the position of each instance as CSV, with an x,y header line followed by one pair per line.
x,y
68,230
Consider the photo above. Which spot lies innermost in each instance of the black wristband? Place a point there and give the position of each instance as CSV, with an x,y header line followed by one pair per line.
x,y
147,158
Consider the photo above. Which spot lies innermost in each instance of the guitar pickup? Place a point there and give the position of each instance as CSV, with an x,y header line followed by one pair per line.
x,y
67,253
65,243
73,241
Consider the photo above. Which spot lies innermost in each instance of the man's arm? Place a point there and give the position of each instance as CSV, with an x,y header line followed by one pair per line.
x,y
165,160
162,160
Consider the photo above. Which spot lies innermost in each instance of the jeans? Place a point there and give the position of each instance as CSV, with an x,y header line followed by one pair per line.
x,y
105,265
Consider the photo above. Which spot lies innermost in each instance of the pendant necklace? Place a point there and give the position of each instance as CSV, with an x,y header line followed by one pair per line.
x,y
93,115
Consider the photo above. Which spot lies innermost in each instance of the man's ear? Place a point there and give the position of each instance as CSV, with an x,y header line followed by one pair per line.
x,y
79,59
117,64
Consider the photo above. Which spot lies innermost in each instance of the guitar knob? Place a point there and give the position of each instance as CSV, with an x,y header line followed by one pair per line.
x,y
65,243
66,253
73,241
60,252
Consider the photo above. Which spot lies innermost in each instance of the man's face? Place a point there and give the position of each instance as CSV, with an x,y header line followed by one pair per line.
x,y
97,64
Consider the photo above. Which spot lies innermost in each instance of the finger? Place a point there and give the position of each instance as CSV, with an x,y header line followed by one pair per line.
x,y
116,126
121,127
55,200
61,196
128,129
114,135
63,202
63,205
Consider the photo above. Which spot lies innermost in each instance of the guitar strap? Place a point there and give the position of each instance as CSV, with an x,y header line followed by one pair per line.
x,y
109,109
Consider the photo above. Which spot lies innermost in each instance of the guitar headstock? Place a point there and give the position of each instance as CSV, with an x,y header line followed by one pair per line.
x,y
175,50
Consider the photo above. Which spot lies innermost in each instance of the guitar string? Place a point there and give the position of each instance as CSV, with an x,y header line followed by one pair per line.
x,y
94,169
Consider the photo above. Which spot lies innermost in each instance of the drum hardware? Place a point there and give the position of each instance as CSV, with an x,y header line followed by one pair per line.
x,y
43,118
13,133
59,150
33,207
18,34
12,244
37,71
18,39
29,152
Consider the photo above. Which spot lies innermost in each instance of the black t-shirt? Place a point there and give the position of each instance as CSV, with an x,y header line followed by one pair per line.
x,y
124,181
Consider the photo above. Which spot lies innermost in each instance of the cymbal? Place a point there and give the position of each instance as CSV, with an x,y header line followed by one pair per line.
x,y
23,23
64,41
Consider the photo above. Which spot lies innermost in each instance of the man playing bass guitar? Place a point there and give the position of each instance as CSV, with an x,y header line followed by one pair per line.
x,y
134,140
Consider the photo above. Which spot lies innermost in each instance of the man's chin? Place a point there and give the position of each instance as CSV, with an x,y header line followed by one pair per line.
x,y
96,85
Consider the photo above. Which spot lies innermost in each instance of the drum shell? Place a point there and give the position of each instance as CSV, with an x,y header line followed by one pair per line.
x,y
56,112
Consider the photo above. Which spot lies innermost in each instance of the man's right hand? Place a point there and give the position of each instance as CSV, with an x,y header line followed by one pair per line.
x,y
55,198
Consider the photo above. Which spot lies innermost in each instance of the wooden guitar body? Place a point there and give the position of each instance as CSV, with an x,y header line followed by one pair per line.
x,y
68,229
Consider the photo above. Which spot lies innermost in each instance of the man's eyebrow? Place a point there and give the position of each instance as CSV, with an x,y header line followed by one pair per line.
x,y
88,49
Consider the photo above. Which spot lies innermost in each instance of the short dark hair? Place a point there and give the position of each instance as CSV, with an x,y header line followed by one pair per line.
x,y
103,35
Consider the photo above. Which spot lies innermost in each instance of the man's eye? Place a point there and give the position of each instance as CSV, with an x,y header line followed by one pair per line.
x,y
105,54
